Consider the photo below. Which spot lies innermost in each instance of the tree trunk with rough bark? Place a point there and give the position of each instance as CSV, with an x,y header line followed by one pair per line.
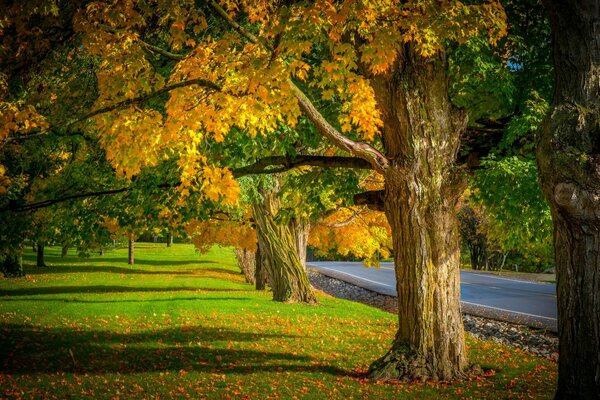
x,y
39,262
277,242
260,273
247,262
130,253
568,156
301,228
421,138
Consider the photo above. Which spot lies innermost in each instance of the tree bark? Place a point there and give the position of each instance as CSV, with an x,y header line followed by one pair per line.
x,y
40,254
421,138
301,228
64,251
169,239
277,242
260,273
247,262
130,255
568,155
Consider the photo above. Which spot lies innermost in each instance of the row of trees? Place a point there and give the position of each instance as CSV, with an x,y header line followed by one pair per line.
x,y
182,100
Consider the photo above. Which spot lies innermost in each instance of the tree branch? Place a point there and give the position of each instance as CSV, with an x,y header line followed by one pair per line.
x,y
262,166
166,89
48,203
121,104
347,221
359,149
374,199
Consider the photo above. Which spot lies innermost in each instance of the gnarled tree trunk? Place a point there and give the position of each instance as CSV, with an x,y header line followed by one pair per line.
x,y
569,163
421,138
301,228
277,244
247,262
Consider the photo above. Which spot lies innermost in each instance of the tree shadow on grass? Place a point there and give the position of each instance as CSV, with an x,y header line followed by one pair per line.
x,y
66,269
145,261
171,299
30,349
32,291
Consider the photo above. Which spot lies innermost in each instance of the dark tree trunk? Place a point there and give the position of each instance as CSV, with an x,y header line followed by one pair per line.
x,y
247,262
479,258
277,242
40,254
131,256
422,186
169,239
260,273
568,156
64,251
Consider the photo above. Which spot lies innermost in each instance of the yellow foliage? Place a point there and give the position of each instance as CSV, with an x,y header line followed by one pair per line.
x,y
360,232
205,234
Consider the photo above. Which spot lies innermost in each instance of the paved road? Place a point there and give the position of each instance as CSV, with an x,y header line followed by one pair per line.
x,y
485,295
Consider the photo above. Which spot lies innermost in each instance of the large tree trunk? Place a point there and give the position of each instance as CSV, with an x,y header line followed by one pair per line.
x,y
39,262
277,242
301,228
130,254
569,164
422,186
247,262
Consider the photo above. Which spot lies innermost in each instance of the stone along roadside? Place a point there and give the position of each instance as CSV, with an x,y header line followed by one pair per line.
x,y
534,341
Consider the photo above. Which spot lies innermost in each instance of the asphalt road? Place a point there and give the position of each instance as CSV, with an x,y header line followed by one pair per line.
x,y
485,295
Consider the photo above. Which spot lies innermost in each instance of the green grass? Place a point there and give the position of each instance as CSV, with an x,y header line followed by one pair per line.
x,y
180,325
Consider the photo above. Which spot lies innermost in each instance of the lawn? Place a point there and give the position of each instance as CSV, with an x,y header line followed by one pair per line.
x,y
181,325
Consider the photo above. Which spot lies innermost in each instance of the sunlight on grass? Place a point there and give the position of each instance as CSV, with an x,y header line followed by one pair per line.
x,y
177,325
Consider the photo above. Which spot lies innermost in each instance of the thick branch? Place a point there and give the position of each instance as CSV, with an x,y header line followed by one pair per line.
x,y
285,163
359,149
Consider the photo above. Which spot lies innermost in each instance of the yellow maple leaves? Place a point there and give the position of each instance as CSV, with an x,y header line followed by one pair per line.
x,y
357,231
205,234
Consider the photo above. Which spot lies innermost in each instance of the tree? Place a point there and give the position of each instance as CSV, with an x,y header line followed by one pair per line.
x,y
383,63
568,164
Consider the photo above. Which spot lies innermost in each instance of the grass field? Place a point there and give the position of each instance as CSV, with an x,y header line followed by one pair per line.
x,y
180,325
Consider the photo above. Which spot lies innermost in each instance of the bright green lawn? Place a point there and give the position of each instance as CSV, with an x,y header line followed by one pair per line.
x,y
179,325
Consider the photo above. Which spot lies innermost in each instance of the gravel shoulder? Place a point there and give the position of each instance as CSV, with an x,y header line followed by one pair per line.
x,y
525,276
535,341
